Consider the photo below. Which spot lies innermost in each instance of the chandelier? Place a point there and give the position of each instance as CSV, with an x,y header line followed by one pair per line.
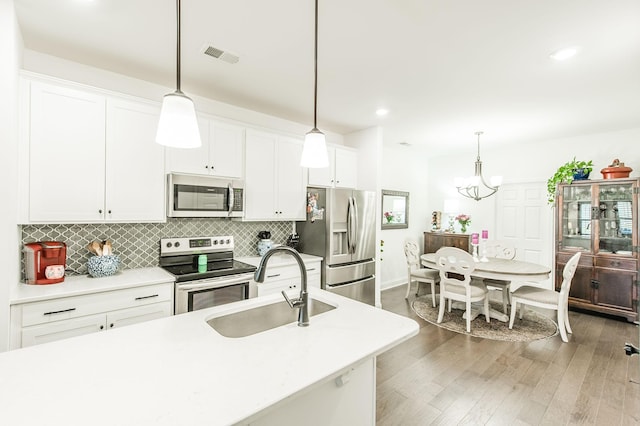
x,y
471,186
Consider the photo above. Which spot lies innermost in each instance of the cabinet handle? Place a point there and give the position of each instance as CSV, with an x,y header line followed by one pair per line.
x,y
311,269
595,284
109,211
293,286
206,166
102,327
100,211
111,325
146,297
60,312
272,276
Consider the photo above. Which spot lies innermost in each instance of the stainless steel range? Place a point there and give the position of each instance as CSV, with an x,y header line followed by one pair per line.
x,y
206,273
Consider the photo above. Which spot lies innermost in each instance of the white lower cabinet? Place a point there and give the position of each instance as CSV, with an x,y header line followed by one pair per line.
x,y
55,319
287,277
348,399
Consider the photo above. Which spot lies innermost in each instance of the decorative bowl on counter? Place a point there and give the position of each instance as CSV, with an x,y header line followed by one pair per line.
x,y
103,266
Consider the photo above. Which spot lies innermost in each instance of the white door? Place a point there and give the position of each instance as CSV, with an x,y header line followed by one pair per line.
x,y
139,314
227,148
260,197
59,330
524,219
135,163
291,185
191,160
66,158
324,176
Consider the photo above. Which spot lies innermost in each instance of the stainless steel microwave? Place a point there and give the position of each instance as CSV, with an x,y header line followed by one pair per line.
x,y
204,196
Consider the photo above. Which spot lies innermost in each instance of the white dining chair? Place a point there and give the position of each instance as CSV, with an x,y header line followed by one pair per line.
x,y
455,267
548,299
500,250
418,274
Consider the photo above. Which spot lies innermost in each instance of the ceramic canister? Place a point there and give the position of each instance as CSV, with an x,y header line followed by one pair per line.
x,y
264,246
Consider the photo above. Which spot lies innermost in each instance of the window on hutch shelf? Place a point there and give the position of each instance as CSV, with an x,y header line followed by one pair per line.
x,y
584,218
624,215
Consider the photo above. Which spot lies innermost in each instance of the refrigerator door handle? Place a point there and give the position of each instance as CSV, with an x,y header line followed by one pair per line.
x,y
349,209
352,225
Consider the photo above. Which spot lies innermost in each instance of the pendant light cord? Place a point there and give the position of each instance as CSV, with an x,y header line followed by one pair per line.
x,y
315,65
178,48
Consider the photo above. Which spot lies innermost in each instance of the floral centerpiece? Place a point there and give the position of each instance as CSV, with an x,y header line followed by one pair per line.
x,y
464,221
388,216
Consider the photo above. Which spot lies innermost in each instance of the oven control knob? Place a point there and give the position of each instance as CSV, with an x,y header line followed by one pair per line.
x,y
177,244
169,245
228,241
215,242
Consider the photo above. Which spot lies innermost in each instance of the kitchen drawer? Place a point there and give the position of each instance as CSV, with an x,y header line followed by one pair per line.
x,y
286,272
616,263
278,286
76,306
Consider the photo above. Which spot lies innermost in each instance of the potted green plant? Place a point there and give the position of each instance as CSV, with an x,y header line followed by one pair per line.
x,y
567,173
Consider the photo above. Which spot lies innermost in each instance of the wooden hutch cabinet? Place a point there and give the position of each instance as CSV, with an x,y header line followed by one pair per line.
x,y
434,240
600,219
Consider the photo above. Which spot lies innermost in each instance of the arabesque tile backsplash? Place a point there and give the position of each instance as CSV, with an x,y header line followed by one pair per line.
x,y
138,244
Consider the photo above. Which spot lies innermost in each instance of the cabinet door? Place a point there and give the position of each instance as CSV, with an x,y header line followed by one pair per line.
x,y
192,160
66,155
139,314
615,288
59,330
581,284
135,183
346,168
260,181
227,148
290,185
324,176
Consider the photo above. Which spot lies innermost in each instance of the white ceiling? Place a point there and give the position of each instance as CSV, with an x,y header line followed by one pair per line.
x,y
444,69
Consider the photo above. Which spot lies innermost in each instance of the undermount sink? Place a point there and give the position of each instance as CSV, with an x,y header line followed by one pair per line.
x,y
262,318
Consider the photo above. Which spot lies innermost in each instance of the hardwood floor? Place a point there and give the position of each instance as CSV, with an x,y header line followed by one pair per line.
x,y
444,378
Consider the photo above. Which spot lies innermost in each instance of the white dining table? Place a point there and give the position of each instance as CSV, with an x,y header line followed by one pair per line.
x,y
499,269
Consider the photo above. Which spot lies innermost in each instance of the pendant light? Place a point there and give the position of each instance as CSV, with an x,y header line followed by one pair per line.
x,y
314,152
178,126
471,188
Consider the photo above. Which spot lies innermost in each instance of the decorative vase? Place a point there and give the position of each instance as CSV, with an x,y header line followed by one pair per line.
x,y
264,246
389,219
463,228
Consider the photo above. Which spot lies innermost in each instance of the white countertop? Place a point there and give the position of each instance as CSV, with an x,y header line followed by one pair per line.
x,y
83,284
179,371
278,259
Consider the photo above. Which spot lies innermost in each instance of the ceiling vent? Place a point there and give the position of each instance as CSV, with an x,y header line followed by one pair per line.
x,y
214,52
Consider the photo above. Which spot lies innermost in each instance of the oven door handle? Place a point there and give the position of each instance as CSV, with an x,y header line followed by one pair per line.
x,y
215,283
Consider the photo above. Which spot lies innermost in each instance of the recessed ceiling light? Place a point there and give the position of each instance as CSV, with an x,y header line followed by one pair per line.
x,y
380,112
565,53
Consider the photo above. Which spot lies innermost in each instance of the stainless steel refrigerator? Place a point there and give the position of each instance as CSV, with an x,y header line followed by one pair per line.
x,y
340,227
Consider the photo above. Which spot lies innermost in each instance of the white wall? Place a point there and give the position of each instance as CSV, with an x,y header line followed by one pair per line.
x,y
369,145
10,52
534,162
403,169
67,70
429,180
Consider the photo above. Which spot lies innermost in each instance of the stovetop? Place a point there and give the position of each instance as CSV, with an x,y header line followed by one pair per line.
x,y
179,256
214,269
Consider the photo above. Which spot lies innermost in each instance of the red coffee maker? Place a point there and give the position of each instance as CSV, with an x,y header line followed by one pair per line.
x,y
44,262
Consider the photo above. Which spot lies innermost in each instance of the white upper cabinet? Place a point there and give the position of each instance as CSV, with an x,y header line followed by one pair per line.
x,y
92,158
274,181
221,153
66,155
342,171
135,183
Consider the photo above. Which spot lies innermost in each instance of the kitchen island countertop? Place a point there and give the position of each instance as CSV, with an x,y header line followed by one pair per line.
x,y
179,371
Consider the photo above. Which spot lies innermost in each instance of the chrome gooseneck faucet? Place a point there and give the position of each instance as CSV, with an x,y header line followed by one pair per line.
x,y
300,302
